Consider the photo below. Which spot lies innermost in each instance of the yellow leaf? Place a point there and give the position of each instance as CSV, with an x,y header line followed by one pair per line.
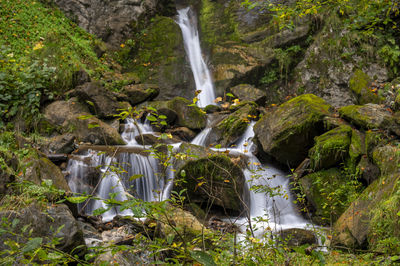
x,y
169,135
38,46
122,45
226,181
218,99
151,225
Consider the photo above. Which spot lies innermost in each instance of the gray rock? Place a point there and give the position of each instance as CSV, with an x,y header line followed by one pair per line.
x,y
109,20
45,222
138,93
247,92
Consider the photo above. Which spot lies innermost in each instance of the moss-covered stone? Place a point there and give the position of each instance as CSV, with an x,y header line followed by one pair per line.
x,y
212,181
330,148
371,219
387,158
373,139
369,116
327,193
231,128
287,132
360,85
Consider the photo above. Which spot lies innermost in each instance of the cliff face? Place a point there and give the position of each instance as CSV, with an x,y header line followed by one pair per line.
x,y
111,20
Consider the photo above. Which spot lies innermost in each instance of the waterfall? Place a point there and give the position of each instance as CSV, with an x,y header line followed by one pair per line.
x,y
128,174
201,74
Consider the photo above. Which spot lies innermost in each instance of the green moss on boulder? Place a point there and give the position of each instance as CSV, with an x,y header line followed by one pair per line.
x,y
287,132
328,194
387,158
360,84
330,148
212,180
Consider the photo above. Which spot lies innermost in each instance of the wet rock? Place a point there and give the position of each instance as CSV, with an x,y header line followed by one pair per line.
x,y
330,148
74,116
45,222
296,237
286,133
151,139
104,104
183,133
138,93
232,127
370,116
247,92
211,108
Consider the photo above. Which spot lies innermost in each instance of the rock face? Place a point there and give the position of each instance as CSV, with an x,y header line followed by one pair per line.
x,y
109,20
73,116
296,237
211,180
138,93
45,223
287,132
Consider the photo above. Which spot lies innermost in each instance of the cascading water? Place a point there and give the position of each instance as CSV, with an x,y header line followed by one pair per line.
x,y
201,74
277,208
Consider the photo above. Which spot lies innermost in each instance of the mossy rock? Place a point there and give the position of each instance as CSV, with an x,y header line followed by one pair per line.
x,y
159,57
372,140
387,158
360,85
369,116
212,181
287,132
231,128
187,114
330,148
246,92
324,191
372,218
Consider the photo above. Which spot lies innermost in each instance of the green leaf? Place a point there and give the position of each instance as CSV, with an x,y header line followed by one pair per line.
x,y
76,200
218,146
93,125
202,257
32,244
90,103
230,95
85,117
15,222
100,211
152,109
162,117
151,118
135,177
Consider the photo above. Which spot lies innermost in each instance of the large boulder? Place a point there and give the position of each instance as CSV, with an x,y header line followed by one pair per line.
x,y
40,169
371,219
330,148
72,116
46,222
287,132
387,158
210,179
112,20
370,116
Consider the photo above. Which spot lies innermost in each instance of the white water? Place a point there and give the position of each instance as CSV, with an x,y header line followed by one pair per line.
x,y
201,74
277,211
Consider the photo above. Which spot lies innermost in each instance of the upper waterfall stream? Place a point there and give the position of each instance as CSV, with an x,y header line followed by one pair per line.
x,y
278,209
